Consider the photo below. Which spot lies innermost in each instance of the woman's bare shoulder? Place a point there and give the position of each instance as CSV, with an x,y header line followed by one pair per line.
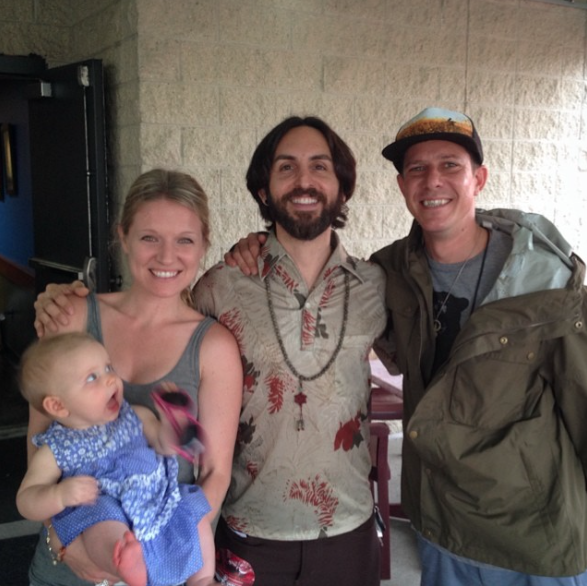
x,y
111,300
219,338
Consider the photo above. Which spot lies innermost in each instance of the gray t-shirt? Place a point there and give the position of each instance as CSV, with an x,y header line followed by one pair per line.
x,y
460,288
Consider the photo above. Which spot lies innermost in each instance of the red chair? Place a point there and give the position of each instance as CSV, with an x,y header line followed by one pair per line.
x,y
386,405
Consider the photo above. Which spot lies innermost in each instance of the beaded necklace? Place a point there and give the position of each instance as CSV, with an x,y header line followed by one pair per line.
x,y
300,397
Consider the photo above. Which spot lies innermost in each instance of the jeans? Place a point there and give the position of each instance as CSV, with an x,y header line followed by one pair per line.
x,y
441,568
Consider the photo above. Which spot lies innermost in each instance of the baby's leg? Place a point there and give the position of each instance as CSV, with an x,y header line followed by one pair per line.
x,y
205,575
113,547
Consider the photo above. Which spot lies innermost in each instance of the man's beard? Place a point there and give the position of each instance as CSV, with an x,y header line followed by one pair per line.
x,y
305,225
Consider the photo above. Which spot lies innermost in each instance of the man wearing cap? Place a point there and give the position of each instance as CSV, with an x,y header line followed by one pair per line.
x,y
487,324
486,321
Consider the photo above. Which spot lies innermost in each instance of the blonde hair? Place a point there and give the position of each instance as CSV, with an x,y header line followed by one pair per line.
x,y
38,361
173,186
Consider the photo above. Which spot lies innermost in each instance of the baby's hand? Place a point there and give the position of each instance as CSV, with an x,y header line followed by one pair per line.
x,y
78,490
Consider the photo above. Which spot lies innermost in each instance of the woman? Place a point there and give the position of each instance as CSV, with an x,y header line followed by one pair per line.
x,y
153,336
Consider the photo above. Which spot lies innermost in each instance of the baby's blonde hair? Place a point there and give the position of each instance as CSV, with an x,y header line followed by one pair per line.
x,y
36,377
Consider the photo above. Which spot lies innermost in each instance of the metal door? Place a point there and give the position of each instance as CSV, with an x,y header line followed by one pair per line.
x,y
68,176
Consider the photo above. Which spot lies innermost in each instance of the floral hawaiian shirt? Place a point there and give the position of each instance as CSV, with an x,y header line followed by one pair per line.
x,y
290,483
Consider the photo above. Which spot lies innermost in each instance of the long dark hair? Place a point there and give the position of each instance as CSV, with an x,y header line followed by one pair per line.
x,y
343,159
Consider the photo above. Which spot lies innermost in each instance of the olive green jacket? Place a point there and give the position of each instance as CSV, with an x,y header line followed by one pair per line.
x,y
495,449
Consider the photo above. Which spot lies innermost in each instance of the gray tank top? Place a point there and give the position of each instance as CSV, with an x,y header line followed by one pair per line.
x,y
185,374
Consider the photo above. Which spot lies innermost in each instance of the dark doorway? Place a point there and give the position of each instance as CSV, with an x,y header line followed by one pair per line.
x,y
68,172
58,119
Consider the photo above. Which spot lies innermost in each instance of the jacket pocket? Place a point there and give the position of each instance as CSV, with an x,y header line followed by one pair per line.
x,y
497,389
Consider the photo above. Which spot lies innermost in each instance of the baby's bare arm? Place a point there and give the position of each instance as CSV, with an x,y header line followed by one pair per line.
x,y
42,495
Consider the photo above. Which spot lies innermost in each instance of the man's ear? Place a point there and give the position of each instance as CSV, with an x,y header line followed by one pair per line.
x,y
54,406
481,174
400,183
262,196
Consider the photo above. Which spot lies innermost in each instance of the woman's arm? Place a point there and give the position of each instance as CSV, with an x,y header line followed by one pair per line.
x,y
219,404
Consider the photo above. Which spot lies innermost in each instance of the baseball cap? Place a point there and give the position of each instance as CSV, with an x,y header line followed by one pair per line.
x,y
435,124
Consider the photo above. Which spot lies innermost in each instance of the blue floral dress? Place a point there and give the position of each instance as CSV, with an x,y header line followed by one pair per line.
x,y
138,487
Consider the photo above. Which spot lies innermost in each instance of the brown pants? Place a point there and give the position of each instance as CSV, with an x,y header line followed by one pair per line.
x,y
351,559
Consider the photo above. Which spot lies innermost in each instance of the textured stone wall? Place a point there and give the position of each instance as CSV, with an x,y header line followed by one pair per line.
x,y
216,75
196,84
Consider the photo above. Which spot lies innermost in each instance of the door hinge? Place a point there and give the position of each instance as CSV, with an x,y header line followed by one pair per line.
x,y
83,75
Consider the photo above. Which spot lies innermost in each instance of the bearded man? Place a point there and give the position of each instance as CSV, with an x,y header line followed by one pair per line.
x,y
299,508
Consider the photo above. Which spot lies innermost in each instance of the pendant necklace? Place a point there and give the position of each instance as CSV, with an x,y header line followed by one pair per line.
x,y
300,398
436,320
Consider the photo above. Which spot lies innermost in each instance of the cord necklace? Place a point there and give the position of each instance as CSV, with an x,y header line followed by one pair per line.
x,y
436,320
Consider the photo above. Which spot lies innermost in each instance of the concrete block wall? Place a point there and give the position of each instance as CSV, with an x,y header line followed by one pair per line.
x,y
35,26
107,30
196,84
215,76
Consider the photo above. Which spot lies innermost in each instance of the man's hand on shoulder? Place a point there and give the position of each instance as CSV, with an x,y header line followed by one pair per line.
x,y
245,253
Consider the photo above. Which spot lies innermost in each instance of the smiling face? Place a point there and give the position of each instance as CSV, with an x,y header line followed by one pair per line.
x,y
440,183
89,392
164,245
304,191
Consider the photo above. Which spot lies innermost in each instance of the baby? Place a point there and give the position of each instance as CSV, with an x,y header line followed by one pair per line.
x,y
95,474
